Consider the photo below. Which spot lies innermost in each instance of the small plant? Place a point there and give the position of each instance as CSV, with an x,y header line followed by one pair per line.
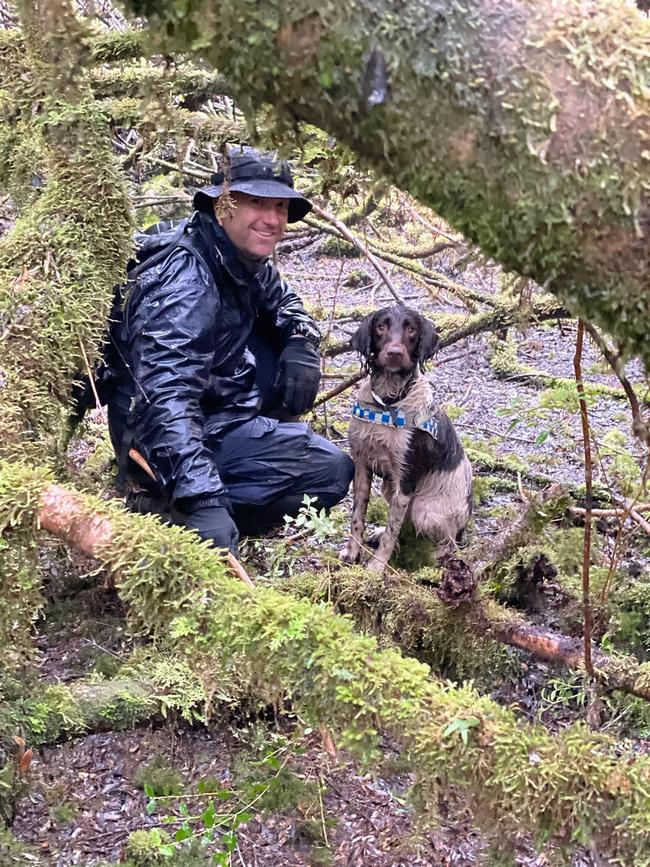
x,y
461,727
311,521
206,820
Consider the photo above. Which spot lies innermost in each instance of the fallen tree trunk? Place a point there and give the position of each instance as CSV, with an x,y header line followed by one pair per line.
x,y
177,591
525,125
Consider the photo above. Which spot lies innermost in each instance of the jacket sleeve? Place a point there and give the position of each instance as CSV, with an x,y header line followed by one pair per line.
x,y
284,307
171,345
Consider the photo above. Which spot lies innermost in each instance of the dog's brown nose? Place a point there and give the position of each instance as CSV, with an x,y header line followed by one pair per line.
x,y
394,354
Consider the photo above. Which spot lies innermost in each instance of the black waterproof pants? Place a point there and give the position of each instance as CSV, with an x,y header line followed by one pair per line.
x,y
268,465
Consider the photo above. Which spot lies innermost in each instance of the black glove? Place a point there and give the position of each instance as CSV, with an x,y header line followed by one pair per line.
x,y
298,375
213,523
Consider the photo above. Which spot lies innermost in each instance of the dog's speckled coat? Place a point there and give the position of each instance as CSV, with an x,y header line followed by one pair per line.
x,y
427,480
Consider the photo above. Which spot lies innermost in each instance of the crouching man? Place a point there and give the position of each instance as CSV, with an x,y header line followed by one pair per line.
x,y
217,358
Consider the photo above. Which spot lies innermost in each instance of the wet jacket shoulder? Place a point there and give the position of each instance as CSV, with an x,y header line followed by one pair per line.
x,y
186,335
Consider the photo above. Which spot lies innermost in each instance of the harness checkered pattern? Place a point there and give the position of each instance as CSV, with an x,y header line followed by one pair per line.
x,y
395,418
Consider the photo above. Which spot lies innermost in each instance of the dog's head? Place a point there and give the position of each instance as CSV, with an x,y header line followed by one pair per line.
x,y
395,339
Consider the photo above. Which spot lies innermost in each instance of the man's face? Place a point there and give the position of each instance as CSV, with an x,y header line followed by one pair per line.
x,y
257,224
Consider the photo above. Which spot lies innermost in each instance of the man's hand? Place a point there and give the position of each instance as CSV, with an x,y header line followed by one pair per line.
x,y
213,523
298,375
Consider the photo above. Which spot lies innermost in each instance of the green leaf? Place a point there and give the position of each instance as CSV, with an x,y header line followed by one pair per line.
x,y
208,815
148,790
151,806
182,834
182,809
229,840
541,437
461,726
241,818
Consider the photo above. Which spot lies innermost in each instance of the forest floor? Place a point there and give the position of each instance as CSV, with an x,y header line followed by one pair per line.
x,y
309,803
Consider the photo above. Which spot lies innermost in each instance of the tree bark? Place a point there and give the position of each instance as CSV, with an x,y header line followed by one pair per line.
x,y
524,124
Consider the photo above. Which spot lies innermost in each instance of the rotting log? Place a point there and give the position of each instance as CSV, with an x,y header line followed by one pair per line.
x,y
525,125
177,591
425,622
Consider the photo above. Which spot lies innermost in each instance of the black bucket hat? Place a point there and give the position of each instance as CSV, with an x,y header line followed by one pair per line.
x,y
257,174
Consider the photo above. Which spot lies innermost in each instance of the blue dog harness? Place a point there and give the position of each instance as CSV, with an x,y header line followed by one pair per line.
x,y
395,417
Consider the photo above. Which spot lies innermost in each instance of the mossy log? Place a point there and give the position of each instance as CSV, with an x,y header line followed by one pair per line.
x,y
525,125
190,86
177,590
463,638
80,707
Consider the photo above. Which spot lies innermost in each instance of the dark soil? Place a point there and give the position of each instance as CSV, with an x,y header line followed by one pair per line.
x,y
83,802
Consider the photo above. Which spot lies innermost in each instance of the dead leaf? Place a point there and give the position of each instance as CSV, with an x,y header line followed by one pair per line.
x,y
328,744
25,761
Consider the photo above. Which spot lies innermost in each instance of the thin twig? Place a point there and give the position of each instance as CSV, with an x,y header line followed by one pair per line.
x,y
347,234
343,386
322,812
91,379
639,425
586,550
192,173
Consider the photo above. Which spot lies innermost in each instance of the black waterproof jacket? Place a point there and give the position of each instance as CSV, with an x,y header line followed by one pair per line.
x,y
186,361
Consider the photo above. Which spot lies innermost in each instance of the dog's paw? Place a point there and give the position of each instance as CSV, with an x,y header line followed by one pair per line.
x,y
376,566
349,555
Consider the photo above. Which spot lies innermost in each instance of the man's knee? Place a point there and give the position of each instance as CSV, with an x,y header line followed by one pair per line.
x,y
339,474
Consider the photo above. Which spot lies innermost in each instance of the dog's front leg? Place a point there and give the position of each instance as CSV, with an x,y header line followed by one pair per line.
x,y
398,508
362,482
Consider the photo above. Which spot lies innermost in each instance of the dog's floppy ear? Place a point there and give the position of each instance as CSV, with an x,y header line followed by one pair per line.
x,y
361,340
429,341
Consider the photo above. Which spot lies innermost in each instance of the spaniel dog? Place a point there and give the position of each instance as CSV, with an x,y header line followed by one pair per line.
x,y
398,433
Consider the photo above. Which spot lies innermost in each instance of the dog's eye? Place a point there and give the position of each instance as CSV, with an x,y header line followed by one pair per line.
x,y
410,330
381,326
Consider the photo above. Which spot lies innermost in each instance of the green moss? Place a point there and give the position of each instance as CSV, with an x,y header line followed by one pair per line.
x,y
377,512
503,356
178,591
14,852
70,241
144,848
408,616
160,777
339,248
19,579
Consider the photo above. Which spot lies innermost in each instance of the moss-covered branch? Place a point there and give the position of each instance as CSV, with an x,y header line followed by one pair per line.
x,y
467,639
191,87
524,124
68,247
177,590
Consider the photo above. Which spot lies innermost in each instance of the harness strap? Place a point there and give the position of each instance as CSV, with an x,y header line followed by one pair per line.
x,y
396,417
